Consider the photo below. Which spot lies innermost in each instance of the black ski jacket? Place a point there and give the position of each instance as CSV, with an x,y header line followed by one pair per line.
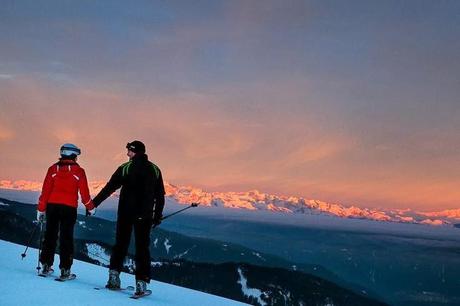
x,y
142,192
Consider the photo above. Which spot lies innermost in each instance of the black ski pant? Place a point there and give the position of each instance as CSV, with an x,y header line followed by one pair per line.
x,y
142,226
60,219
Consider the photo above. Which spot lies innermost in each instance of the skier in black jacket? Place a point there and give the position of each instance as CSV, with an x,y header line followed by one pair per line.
x,y
140,205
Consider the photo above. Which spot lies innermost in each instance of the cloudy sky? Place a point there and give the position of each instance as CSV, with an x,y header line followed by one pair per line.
x,y
355,102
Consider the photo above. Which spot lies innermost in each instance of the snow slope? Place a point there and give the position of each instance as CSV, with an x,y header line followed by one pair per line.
x,y
20,286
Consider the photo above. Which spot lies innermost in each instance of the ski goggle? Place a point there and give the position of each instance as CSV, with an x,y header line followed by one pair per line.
x,y
70,150
130,147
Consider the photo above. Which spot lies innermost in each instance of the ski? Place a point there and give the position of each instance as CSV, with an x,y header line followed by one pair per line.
x,y
129,288
138,296
71,277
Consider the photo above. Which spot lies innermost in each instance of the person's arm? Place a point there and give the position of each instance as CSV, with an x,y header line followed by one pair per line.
x,y
159,199
84,190
114,183
47,188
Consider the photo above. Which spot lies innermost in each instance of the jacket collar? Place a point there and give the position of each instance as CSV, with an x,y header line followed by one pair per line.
x,y
140,156
66,162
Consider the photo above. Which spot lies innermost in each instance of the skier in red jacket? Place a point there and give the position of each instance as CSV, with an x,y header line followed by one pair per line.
x,y
59,201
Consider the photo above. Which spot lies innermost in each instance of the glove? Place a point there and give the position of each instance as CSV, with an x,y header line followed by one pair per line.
x,y
90,212
40,216
90,208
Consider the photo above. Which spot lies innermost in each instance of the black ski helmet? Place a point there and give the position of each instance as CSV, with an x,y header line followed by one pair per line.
x,y
136,146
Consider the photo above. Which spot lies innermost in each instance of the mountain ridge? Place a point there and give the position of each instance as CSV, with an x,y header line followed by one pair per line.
x,y
254,200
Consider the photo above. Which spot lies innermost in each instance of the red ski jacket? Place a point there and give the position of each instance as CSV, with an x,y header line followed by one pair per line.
x,y
62,183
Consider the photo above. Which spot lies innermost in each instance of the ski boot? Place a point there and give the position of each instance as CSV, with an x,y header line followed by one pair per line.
x,y
114,282
141,287
65,275
46,270
141,290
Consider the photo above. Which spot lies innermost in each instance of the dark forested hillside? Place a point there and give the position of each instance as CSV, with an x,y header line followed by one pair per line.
x,y
211,266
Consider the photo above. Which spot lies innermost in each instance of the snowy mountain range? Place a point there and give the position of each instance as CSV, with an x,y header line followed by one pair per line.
x,y
255,200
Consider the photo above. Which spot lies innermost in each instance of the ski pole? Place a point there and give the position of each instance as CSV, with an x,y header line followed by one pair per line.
x,y
40,247
180,210
30,240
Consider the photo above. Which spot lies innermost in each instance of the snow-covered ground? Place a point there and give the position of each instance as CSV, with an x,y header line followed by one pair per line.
x,y
20,285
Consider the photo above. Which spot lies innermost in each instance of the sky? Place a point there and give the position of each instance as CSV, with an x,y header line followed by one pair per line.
x,y
355,102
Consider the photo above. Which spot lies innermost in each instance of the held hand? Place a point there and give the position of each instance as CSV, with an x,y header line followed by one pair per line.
x,y
40,216
90,208
90,212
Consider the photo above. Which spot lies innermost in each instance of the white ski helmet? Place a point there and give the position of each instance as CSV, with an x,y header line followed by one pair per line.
x,y
69,149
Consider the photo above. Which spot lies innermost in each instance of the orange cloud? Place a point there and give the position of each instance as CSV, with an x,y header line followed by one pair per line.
x,y
5,133
314,152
